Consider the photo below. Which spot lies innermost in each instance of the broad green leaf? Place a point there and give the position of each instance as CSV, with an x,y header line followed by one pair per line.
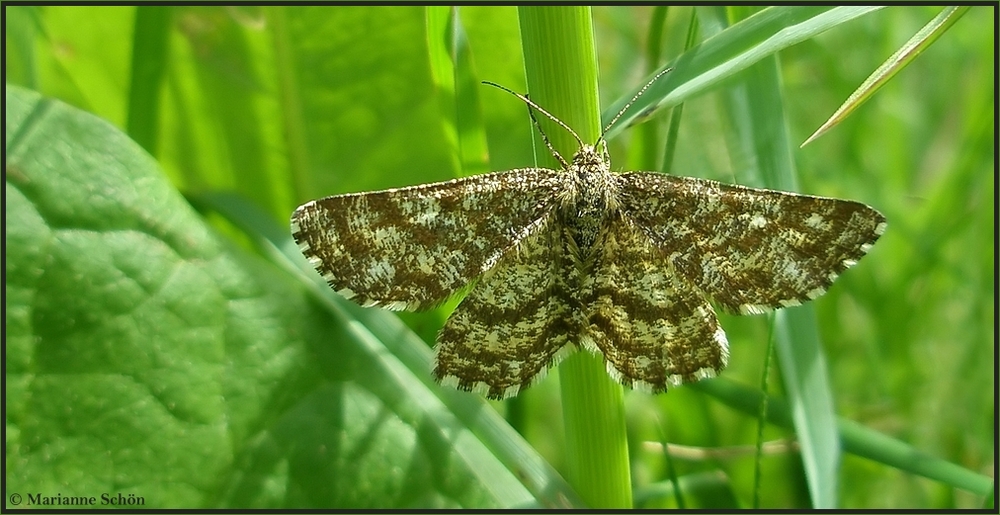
x,y
406,347
147,357
142,344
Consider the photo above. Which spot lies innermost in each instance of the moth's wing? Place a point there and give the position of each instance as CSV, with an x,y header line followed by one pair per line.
x,y
517,321
412,248
655,329
751,250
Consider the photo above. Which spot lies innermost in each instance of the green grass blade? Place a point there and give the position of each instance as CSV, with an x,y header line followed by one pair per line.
x,y
646,141
22,26
762,416
678,490
712,485
803,367
893,65
855,438
729,52
150,45
755,111
289,98
870,444
458,88
675,117
561,69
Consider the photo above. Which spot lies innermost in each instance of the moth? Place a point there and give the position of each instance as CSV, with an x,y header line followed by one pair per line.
x,y
627,265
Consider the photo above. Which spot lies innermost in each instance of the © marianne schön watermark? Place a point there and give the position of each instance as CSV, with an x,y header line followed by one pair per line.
x,y
58,500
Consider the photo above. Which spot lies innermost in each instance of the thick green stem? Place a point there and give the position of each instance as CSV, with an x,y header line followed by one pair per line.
x,y
561,69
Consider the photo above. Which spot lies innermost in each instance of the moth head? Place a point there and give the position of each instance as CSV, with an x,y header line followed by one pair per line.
x,y
589,158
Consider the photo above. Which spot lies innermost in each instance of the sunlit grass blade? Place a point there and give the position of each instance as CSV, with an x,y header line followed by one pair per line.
x,y
755,111
289,97
729,52
893,65
804,369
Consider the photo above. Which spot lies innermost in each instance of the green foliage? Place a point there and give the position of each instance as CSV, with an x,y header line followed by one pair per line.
x,y
148,355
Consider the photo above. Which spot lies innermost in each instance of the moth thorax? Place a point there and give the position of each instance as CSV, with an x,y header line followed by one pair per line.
x,y
594,198
596,188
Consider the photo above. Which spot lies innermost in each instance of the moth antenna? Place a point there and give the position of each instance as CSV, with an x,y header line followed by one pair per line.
x,y
630,102
538,108
545,138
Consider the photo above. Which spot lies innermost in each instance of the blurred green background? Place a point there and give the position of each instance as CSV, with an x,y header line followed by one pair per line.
x,y
284,105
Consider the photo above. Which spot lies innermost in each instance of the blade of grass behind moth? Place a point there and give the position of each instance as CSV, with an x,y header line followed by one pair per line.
x,y
673,129
671,470
893,65
293,125
729,52
855,438
759,141
458,85
150,45
642,150
712,486
762,416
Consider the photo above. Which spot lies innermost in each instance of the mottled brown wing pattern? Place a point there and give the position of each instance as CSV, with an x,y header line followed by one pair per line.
x,y
413,248
621,264
518,320
749,250
655,329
